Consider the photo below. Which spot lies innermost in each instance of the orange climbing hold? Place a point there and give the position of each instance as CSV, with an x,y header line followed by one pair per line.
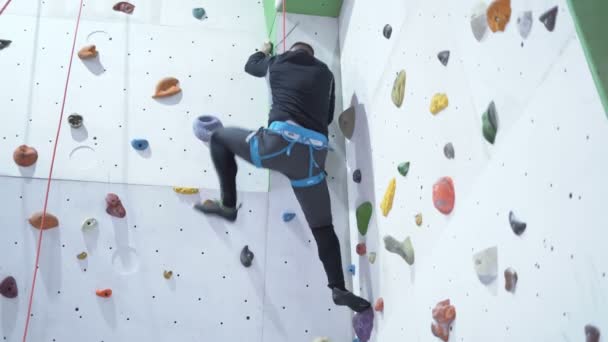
x,y
88,52
25,156
498,15
105,293
444,314
379,306
167,87
50,221
444,195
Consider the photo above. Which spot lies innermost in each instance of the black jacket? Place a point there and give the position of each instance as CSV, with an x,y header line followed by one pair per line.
x,y
303,88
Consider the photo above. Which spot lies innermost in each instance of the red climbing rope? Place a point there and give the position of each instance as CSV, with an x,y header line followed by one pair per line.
x,y
5,6
48,183
284,25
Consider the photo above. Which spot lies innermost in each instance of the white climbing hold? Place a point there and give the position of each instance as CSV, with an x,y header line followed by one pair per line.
x,y
89,223
486,265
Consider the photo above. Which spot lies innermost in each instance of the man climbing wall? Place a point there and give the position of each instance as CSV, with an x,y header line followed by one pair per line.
x,y
295,144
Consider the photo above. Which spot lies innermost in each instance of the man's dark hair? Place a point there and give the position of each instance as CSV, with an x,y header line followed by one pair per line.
x,y
303,46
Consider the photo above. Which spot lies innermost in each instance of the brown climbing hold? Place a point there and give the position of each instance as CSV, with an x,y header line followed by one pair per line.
x,y
592,333
8,287
498,15
82,256
124,7
444,314
361,249
167,87
50,221
168,274
444,195
25,156
88,52
105,293
379,306
510,280
114,206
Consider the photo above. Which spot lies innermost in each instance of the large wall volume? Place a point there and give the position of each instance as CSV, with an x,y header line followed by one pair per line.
x,y
547,165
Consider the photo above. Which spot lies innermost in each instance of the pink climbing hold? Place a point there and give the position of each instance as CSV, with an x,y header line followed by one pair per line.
x,y
361,249
444,195
114,206
124,7
8,287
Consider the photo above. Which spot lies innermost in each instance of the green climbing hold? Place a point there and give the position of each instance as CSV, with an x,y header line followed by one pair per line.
x,y
490,123
364,215
404,168
399,89
198,13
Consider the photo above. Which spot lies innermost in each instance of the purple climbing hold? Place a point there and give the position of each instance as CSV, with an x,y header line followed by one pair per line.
x,y
4,43
363,323
352,269
246,257
205,125
357,176
288,216
8,287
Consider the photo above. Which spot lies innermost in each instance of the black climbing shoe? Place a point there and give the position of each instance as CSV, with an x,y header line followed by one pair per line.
x,y
216,208
346,298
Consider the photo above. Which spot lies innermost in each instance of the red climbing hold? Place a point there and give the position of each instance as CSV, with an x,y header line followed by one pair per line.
x,y
25,156
444,195
105,293
124,7
50,221
379,306
8,287
361,249
444,314
114,206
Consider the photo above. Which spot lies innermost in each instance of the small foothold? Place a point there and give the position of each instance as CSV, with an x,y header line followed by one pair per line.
x,y
288,216
140,144
82,256
166,87
357,176
25,156
486,265
510,280
387,31
379,306
185,191
448,151
321,339
548,18
479,24
346,122
352,269
204,126
490,123
105,293
444,195
389,196
399,89
363,324
371,257
404,168
246,257
8,287
4,43
198,13
404,248
498,15
439,102
517,226
364,215
444,314
50,221
114,206
592,333
444,57
88,52
75,120
168,274
419,219
361,249
89,223
124,7
524,23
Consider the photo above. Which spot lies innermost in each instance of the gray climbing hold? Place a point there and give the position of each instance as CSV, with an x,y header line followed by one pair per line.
x,y
479,24
4,43
404,248
246,257
548,18
288,216
592,333
205,125
517,226
490,123
371,257
524,23
198,13
8,287
89,223
140,144
486,265
346,121
357,176
444,57
448,151
387,31
75,120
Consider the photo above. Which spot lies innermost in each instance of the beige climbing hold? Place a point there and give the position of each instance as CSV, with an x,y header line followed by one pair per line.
x,y
486,264
185,191
82,256
168,274
399,89
389,195
50,221
419,219
88,52
167,87
439,102
371,257
321,339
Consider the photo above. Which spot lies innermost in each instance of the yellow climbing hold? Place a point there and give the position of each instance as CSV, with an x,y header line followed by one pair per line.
x,y
439,103
185,191
168,274
82,256
399,89
387,202
419,219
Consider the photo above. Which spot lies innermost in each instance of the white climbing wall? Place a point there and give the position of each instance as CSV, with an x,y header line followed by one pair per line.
x,y
547,165
282,297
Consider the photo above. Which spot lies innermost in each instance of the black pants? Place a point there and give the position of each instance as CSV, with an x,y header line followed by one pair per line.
x,y
314,201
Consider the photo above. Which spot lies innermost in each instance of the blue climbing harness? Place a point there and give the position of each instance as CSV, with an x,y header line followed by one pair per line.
x,y
294,134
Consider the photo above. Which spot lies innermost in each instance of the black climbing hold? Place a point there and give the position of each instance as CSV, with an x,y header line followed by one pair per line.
x,y
518,226
490,123
346,121
444,57
448,151
388,31
548,18
246,257
75,120
357,176
4,43
8,287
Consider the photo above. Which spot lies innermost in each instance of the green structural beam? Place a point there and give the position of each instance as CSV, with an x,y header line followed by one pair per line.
x,y
589,17
322,8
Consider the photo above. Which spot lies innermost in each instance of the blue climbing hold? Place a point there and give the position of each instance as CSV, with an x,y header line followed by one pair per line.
x,y
198,13
352,269
288,216
205,125
140,144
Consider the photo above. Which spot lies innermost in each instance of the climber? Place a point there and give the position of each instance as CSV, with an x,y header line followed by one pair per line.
x,y
294,144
